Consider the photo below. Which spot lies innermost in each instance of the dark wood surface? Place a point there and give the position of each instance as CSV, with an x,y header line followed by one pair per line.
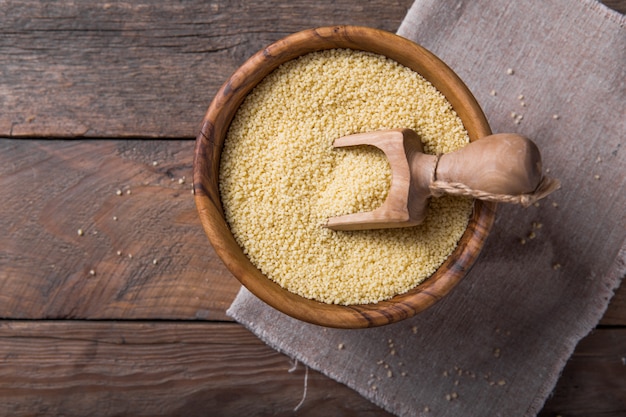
x,y
98,98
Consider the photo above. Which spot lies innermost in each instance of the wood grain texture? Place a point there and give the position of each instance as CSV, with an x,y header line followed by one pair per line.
x,y
147,369
617,5
616,312
149,68
51,189
196,369
139,68
601,353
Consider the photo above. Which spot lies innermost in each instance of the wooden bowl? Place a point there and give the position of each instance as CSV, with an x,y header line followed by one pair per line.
x,y
207,160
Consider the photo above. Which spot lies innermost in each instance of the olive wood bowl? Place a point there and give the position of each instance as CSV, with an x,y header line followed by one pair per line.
x,y
207,163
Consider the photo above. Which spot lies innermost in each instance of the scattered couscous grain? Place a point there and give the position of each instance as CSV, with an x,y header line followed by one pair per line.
x,y
281,178
118,192
510,71
80,232
517,118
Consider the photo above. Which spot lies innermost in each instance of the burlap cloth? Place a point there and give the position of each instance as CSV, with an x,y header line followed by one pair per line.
x,y
497,344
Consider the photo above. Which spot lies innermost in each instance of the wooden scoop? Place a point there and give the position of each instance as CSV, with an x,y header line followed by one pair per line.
x,y
503,167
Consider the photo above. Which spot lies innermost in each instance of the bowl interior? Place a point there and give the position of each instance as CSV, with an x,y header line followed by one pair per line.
x,y
206,175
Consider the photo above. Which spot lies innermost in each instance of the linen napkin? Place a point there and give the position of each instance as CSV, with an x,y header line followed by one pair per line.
x,y
555,72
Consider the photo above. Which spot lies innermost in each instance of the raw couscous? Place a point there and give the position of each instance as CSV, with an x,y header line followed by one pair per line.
x,y
281,178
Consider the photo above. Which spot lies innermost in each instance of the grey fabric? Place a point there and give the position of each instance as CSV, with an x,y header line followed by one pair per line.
x,y
497,344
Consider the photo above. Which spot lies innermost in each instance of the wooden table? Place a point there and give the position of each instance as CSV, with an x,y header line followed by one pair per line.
x,y
111,297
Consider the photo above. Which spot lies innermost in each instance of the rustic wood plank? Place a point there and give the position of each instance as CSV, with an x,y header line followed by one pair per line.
x,y
140,68
147,369
593,382
145,69
51,189
616,313
617,5
78,368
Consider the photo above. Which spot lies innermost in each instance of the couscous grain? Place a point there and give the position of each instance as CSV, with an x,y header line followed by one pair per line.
x,y
281,178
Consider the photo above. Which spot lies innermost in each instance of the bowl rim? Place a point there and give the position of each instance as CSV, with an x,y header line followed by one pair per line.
x,y
206,176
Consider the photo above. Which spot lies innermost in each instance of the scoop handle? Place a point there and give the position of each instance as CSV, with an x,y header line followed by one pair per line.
x,y
502,164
